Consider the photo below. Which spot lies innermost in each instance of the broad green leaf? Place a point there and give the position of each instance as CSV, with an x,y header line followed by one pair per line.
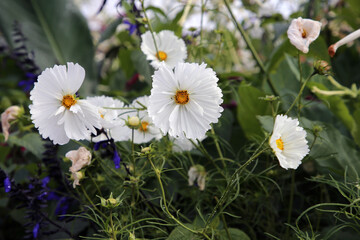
x,y
249,107
31,141
235,234
55,30
110,30
180,233
141,65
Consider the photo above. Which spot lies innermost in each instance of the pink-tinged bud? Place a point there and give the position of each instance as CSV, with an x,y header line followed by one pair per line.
x,y
10,114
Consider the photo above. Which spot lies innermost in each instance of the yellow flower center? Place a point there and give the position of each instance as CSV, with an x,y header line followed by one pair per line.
x,y
304,33
68,101
280,144
102,116
182,97
144,126
162,56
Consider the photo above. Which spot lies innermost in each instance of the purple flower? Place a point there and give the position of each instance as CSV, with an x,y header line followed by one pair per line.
x,y
45,181
7,184
36,230
132,27
116,159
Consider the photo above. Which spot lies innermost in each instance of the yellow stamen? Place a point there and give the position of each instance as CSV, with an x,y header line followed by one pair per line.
x,y
68,101
162,56
304,33
280,144
182,97
144,126
102,116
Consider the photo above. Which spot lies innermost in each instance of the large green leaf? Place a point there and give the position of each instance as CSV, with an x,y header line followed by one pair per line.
x,y
235,234
249,107
55,30
31,142
180,233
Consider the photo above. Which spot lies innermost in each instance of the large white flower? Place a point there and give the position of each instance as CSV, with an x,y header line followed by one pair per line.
x,y
146,132
56,111
302,32
288,142
186,100
171,49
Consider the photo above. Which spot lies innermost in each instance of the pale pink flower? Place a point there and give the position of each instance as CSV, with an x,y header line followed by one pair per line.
x,y
198,173
349,38
302,32
10,114
79,158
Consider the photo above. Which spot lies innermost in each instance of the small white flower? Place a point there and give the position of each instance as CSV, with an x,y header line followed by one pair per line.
x,y
171,49
146,130
8,115
288,142
349,38
302,32
56,111
198,173
79,159
186,100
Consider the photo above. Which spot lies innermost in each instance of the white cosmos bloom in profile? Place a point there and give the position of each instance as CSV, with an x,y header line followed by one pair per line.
x,y
146,132
288,142
170,48
109,110
183,144
302,32
184,102
55,109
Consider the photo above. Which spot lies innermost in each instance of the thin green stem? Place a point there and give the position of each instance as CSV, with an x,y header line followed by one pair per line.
x,y
251,47
149,24
300,93
218,146
290,202
158,176
300,80
201,29
232,182
132,150
112,226
91,202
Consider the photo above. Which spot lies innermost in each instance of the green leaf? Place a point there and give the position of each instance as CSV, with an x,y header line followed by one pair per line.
x,y
235,234
110,30
141,65
249,107
31,141
55,30
180,233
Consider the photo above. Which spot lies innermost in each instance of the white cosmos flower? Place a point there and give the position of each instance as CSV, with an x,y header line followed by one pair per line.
x,y
109,111
146,132
171,49
182,144
302,32
288,142
55,109
186,100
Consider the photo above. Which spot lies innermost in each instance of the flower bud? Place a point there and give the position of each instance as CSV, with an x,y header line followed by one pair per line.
x,y
146,150
10,114
322,67
133,122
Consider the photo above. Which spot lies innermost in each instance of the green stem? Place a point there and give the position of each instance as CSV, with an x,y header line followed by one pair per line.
x,y
232,182
132,150
91,202
290,202
300,93
50,37
158,176
149,24
218,146
112,226
251,47
300,71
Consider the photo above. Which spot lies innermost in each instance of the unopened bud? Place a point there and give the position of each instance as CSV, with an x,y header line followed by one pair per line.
x,y
146,150
133,122
322,67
